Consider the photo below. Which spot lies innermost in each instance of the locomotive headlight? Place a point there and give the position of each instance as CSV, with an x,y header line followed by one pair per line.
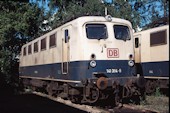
x,y
131,63
93,63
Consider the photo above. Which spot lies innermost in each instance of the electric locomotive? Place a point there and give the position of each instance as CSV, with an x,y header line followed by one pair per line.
x,y
85,60
152,57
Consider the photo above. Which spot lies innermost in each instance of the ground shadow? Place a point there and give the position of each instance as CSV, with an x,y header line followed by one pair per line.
x,y
30,103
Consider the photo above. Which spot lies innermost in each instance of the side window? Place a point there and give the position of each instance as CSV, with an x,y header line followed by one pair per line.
x,y
136,42
121,32
43,44
24,51
158,38
52,40
66,35
36,47
29,49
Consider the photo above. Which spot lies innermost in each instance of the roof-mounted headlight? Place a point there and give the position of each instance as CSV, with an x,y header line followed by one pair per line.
x,y
108,18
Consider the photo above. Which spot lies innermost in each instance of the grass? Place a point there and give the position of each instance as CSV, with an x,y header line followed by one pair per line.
x,y
157,102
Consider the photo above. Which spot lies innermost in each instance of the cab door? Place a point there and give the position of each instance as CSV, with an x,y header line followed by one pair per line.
x,y
137,45
137,48
65,49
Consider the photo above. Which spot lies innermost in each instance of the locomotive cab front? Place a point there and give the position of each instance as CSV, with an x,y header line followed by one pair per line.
x,y
105,48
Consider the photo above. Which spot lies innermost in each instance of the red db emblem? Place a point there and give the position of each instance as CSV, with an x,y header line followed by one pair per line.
x,y
112,52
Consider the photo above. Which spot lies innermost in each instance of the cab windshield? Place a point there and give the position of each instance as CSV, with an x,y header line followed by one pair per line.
x,y
96,31
121,32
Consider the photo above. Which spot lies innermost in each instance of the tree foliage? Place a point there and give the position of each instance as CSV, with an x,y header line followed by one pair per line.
x,y
69,9
138,12
151,10
19,23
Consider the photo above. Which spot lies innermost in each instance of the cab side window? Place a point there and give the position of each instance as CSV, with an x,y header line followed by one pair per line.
x,y
66,35
136,42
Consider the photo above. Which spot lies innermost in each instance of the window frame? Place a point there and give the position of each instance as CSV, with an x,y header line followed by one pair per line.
x,y
52,42
43,44
25,51
98,38
29,49
152,44
66,35
129,33
36,46
136,42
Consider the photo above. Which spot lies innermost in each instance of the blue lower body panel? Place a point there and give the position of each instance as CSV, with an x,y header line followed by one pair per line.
x,y
80,70
160,69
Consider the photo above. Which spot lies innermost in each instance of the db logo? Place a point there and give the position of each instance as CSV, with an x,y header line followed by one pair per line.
x,y
112,52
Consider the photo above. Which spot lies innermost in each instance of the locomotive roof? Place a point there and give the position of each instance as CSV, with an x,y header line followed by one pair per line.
x,y
151,29
102,19
85,19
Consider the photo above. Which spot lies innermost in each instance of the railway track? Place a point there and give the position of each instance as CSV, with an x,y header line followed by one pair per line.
x,y
87,108
125,108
